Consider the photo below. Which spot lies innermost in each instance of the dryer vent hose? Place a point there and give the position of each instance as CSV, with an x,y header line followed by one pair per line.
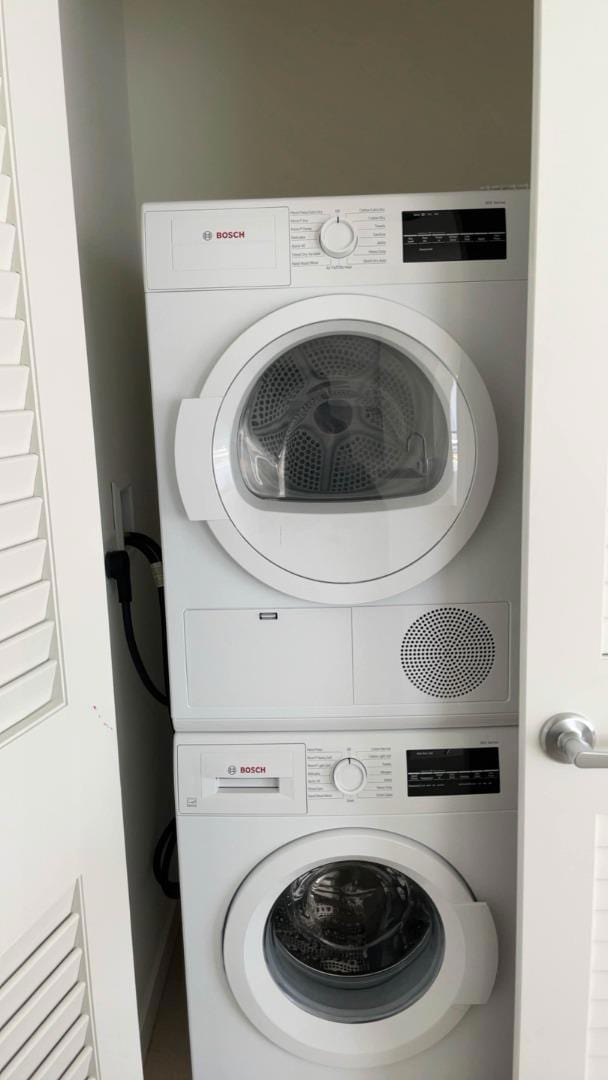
x,y
118,569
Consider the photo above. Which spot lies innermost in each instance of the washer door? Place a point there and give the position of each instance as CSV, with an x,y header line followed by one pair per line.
x,y
355,947
343,449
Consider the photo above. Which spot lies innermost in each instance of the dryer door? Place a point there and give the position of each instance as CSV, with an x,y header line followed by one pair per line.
x,y
343,449
356,947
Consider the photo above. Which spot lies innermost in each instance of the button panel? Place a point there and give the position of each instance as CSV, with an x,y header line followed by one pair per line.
x,y
367,223
321,761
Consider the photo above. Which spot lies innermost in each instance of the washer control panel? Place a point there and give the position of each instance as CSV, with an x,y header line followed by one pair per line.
x,y
327,774
349,772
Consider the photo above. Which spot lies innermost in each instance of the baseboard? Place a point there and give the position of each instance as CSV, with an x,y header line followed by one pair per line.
x,y
158,978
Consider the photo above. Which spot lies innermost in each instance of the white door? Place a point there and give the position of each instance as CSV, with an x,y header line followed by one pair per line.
x,y
67,996
563,947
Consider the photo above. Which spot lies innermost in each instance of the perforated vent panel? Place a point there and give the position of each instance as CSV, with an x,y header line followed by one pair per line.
x,y
448,652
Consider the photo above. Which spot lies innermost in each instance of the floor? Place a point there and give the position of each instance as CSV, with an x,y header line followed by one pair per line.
x,y
169,1054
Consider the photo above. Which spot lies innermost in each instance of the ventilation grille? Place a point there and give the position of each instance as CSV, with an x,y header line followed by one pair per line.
x,y
28,654
448,652
45,1028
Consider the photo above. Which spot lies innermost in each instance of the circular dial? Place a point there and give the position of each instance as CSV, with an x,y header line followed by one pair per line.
x,y
349,775
338,238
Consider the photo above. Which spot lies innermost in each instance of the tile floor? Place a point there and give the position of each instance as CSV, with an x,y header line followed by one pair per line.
x,y
169,1053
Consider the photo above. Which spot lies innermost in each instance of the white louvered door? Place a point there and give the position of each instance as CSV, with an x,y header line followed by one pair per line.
x,y
67,996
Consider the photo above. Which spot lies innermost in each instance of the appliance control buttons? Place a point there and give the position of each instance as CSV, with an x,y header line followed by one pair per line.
x,y
337,238
349,775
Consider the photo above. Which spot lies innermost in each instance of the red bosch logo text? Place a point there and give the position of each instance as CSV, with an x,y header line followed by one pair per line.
x,y
237,234
253,768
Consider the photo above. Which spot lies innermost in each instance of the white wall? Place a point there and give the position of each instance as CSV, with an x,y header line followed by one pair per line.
x,y
284,97
93,45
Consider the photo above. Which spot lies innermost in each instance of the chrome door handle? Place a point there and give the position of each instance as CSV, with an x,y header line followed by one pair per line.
x,y
570,739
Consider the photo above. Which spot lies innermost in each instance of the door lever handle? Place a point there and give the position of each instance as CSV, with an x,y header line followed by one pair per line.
x,y
570,739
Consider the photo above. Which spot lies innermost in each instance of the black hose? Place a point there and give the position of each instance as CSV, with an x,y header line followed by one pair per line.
x,y
161,862
118,568
139,665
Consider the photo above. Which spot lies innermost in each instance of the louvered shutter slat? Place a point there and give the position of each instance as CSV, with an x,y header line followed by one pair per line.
x,y
32,972
46,1037
5,191
7,245
25,695
13,384
25,651
29,669
15,432
9,292
11,340
20,521
45,1027
17,477
61,1063
21,565
32,1014
24,608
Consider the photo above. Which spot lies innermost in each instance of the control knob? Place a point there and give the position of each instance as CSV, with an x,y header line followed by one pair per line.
x,y
338,237
349,775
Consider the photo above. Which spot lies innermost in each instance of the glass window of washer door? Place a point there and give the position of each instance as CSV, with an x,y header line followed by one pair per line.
x,y
342,416
354,941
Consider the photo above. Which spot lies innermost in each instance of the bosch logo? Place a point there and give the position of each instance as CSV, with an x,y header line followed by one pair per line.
x,y
237,234
207,235
253,769
231,770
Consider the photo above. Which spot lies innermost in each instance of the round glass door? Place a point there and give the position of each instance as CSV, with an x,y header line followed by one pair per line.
x,y
343,449
354,941
357,947
342,416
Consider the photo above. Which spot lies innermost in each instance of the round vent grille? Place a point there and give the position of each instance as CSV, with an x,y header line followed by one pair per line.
x,y
448,652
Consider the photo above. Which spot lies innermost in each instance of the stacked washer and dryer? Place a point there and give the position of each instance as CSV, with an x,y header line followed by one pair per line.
x,y
338,404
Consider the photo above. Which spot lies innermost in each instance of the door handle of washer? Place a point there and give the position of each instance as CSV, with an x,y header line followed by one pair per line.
x,y
570,739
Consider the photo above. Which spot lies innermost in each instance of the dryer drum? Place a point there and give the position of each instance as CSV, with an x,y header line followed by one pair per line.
x,y
342,416
352,923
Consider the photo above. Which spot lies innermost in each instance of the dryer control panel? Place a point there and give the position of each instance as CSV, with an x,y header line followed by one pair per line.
x,y
337,240
364,773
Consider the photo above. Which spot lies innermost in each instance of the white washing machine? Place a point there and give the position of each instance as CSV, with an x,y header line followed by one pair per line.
x,y
335,384
348,903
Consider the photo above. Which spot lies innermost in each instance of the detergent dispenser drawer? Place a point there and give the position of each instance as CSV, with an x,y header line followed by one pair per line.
x,y
241,779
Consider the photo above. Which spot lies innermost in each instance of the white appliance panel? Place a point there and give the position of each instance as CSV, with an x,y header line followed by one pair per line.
x,y
482,305
474,833
250,659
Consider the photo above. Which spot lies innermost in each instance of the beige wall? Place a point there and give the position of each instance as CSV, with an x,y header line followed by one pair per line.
x,y
237,98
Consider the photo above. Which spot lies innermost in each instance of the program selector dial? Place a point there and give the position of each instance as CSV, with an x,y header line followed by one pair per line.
x,y
338,237
349,775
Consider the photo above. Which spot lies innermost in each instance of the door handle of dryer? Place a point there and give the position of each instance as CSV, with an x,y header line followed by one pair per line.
x,y
194,458
570,739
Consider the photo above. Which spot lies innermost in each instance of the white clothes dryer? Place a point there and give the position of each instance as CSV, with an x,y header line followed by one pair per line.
x,y
335,383
348,903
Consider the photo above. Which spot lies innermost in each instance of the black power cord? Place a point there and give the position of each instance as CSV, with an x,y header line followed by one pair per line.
x,y
118,569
